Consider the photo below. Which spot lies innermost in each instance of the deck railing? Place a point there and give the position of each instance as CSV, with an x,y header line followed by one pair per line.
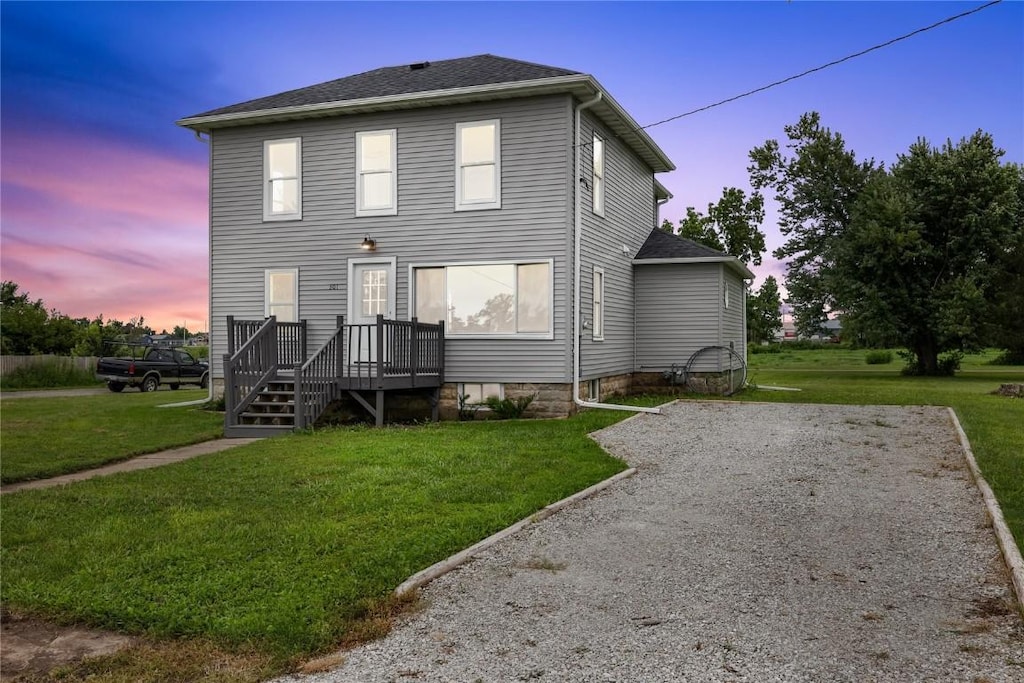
x,y
248,369
291,338
316,380
386,349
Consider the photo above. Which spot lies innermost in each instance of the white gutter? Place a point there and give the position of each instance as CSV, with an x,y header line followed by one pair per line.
x,y
577,252
209,310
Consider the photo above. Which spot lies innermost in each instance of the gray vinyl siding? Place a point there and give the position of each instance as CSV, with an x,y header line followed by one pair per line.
x,y
733,316
679,311
628,217
533,223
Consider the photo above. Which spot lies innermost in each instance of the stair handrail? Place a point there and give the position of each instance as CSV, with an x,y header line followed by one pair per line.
x,y
319,376
261,348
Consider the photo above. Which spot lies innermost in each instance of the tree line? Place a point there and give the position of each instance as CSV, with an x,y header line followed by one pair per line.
x,y
927,254
27,327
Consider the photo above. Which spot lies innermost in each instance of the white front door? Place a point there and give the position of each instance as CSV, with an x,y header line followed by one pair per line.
x,y
371,292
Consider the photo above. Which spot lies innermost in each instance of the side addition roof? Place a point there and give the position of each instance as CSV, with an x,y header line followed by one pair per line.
x,y
665,248
452,81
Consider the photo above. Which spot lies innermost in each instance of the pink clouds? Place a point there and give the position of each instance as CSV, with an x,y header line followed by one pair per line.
x,y
93,226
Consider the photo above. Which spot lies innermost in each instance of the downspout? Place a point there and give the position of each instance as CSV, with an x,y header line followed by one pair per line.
x,y
577,250
209,332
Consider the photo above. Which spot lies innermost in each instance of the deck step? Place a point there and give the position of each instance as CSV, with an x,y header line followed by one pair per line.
x,y
255,431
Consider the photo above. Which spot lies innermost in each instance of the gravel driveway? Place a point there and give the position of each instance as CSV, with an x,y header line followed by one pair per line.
x,y
757,542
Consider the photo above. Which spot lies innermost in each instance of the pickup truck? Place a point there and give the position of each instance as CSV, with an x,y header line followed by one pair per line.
x,y
156,366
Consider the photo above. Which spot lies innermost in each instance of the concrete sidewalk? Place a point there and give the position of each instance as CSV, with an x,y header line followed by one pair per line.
x,y
143,462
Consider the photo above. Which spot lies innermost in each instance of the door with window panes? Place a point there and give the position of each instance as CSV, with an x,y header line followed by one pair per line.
x,y
371,293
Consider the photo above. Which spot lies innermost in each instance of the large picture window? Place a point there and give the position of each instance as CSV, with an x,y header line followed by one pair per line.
x,y
376,186
478,165
486,299
282,179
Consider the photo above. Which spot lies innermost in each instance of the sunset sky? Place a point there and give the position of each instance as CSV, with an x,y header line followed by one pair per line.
x,y
104,199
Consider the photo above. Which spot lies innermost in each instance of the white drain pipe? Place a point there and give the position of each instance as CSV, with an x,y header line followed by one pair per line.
x,y
577,249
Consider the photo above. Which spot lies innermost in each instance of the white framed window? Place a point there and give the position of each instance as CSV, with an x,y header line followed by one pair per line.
x,y
478,392
598,190
282,294
598,303
594,389
282,179
376,173
478,165
502,299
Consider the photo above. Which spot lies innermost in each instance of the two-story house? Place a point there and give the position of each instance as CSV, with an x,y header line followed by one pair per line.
x,y
509,208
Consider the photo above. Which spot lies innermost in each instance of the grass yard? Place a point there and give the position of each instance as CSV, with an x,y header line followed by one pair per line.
x,y
994,424
44,437
279,547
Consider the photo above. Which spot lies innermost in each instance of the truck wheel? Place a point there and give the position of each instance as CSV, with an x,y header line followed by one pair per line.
x,y
116,387
174,387
205,382
150,384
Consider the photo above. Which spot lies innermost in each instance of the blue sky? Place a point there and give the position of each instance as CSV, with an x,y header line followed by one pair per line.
x,y
104,198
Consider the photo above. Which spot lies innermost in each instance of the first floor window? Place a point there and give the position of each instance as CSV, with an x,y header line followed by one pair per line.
x,y
282,294
486,299
376,160
598,304
282,179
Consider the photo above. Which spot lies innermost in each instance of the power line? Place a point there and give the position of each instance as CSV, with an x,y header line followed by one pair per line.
x,y
825,66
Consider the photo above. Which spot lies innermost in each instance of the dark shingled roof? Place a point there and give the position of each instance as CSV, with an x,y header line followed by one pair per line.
x,y
406,79
661,244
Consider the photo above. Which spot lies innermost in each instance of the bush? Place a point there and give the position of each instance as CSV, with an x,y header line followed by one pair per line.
x,y
47,376
878,357
509,408
467,410
948,364
1008,358
755,349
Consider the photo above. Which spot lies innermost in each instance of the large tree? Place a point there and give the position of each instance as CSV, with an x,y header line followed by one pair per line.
x,y
764,314
815,180
22,322
917,258
1006,324
732,225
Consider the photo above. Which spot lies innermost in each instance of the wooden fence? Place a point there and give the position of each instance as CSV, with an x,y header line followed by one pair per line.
x,y
9,364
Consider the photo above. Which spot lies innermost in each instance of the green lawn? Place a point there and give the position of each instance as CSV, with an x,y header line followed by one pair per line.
x,y
44,437
994,424
279,545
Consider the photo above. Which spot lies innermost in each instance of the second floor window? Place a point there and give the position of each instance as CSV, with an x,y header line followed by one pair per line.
x,y
598,176
282,179
376,161
478,165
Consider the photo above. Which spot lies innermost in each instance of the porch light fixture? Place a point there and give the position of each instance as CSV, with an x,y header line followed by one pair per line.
x,y
368,244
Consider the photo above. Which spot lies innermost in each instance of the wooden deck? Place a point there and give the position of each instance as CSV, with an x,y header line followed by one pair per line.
x,y
265,395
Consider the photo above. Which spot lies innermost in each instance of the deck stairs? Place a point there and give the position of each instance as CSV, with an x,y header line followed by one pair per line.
x,y
271,412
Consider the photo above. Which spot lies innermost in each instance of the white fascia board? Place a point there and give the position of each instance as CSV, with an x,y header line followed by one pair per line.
x,y
733,263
